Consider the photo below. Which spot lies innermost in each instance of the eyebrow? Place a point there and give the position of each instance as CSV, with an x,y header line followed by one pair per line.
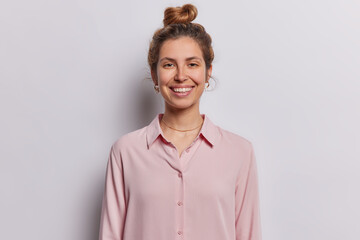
x,y
187,59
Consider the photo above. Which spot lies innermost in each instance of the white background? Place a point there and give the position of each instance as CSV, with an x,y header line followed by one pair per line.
x,y
74,78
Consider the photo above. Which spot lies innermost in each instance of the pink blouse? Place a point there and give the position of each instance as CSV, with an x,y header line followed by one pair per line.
x,y
210,192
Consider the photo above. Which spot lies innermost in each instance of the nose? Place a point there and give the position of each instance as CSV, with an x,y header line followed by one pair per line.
x,y
180,74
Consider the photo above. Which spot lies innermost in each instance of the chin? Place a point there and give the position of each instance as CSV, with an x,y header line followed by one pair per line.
x,y
180,106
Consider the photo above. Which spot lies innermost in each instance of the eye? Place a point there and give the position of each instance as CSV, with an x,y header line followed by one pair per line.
x,y
168,65
193,64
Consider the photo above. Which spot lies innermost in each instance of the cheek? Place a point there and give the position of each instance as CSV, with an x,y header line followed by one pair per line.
x,y
163,76
199,77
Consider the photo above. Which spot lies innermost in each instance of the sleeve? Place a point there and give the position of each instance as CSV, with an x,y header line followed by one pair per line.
x,y
113,203
247,209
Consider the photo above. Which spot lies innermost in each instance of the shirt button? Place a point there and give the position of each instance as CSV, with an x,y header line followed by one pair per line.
x,y
180,232
180,203
187,150
179,175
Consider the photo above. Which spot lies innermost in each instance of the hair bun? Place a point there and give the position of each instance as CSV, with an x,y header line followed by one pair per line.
x,y
185,14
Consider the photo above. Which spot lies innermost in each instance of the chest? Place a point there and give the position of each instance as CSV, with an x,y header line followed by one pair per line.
x,y
160,177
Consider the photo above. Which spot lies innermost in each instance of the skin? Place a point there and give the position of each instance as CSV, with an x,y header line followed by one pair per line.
x,y
181,62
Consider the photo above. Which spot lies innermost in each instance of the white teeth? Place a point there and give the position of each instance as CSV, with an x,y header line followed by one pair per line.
x,y
182,89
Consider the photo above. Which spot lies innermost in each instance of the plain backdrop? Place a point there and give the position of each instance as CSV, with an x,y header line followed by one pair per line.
x,y
74,78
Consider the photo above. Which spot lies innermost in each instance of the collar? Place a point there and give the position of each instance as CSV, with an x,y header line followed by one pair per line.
x,y
208,130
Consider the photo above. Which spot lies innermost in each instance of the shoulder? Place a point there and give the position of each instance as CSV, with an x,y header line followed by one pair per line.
x,y
235,140
239,149
130,140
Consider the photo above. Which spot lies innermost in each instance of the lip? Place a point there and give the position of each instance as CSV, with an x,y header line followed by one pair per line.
x,y
182,86
179,94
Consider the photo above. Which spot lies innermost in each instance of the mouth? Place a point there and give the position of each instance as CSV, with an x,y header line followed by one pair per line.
x,y
181,92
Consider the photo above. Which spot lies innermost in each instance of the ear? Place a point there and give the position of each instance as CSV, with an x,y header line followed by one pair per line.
x,y
153,76
208,73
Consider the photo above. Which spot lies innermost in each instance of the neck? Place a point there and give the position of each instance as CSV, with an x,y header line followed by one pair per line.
x,y
182,119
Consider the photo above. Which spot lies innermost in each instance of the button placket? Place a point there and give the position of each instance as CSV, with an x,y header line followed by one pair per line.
x,y
179,206
183,161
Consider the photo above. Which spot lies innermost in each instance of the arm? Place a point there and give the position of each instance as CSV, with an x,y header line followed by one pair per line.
x,y
247,209
113,202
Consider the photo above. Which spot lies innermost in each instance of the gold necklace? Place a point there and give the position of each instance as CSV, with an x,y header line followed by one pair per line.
x,y
182,130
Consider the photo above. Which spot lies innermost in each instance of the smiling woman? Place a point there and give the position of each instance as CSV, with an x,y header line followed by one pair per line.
x,y
182,176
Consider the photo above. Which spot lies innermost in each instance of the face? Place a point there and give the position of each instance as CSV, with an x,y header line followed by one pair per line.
x,y
181,73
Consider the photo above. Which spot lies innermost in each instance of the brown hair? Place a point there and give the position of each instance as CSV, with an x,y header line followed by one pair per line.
x,y
177,23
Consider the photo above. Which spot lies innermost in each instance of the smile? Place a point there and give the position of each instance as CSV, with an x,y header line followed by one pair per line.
x,y
181,92
181,89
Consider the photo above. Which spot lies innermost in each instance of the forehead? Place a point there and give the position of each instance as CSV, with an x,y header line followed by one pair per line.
x,y
183,47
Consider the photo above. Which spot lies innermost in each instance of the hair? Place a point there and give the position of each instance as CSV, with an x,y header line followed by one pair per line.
x,y
178,23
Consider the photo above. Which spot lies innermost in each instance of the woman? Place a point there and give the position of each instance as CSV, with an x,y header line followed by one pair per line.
x,y
181,177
